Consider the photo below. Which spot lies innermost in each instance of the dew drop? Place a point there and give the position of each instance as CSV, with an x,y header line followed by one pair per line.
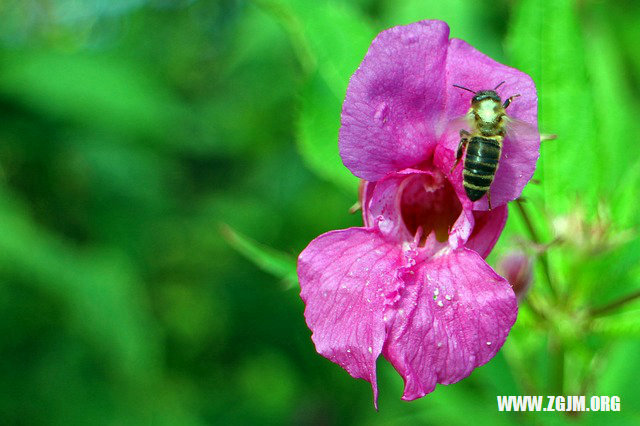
x,y
440,303
447,297
370,349
348,351
382,113
488,343
439,344
409,38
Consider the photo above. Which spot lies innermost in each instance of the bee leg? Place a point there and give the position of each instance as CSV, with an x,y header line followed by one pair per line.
x,y
508,101
489,198
461,147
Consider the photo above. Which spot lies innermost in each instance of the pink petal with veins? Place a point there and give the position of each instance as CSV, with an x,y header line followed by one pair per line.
x,y
395,100
453,315
344,277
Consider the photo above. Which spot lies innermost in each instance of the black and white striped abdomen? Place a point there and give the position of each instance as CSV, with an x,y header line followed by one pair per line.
x,y
480,165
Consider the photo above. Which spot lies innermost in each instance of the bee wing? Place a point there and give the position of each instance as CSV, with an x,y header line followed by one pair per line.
x,y
517,130
449,134
458,123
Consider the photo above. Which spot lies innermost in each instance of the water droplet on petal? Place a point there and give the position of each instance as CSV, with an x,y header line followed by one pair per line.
x,y
447,297
382,113
409,38
488,343
440,303
370,349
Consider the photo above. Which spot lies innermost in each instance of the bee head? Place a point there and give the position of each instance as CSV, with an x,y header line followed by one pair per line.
x,y
485,94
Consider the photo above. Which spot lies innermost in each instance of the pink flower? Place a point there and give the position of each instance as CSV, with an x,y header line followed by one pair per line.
x,y
412,283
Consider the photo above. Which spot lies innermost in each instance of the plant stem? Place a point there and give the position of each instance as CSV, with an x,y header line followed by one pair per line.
x,y
603,310
544,261
556,370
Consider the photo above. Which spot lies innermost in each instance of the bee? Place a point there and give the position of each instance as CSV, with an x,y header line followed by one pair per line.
x,y
483,145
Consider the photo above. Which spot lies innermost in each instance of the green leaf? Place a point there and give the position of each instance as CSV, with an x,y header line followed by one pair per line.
x,y
99,289
625,198
318,126
330,40
269,260
613,106
91,90
624,324
545,41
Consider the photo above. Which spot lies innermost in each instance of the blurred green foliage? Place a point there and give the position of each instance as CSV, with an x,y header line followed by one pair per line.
x,y
133,132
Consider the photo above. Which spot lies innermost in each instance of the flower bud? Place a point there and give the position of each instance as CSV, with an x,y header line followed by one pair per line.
x,y
517,269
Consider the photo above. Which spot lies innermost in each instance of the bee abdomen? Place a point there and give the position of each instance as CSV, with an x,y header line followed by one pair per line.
x,y
480,165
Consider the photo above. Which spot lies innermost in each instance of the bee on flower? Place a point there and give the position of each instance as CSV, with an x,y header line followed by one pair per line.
x,y
412,283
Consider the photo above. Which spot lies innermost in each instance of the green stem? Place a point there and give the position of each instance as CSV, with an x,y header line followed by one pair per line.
x,y
544,261
556,370
603,310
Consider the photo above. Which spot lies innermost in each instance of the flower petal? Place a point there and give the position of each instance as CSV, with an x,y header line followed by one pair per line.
x,y
344,278
365,193
394,100
470,68
488,226
454,314
410,199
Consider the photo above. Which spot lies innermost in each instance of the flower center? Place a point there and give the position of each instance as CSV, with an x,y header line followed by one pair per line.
x,y
428,201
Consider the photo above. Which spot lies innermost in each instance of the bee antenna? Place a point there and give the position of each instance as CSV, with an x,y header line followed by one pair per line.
x,y
464,88
500,84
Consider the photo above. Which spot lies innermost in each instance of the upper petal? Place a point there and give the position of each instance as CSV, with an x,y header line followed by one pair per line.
x,y
344,277
454,314
394,100
470,68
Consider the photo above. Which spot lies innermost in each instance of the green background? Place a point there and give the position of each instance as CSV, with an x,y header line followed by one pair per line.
x,y
163,162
